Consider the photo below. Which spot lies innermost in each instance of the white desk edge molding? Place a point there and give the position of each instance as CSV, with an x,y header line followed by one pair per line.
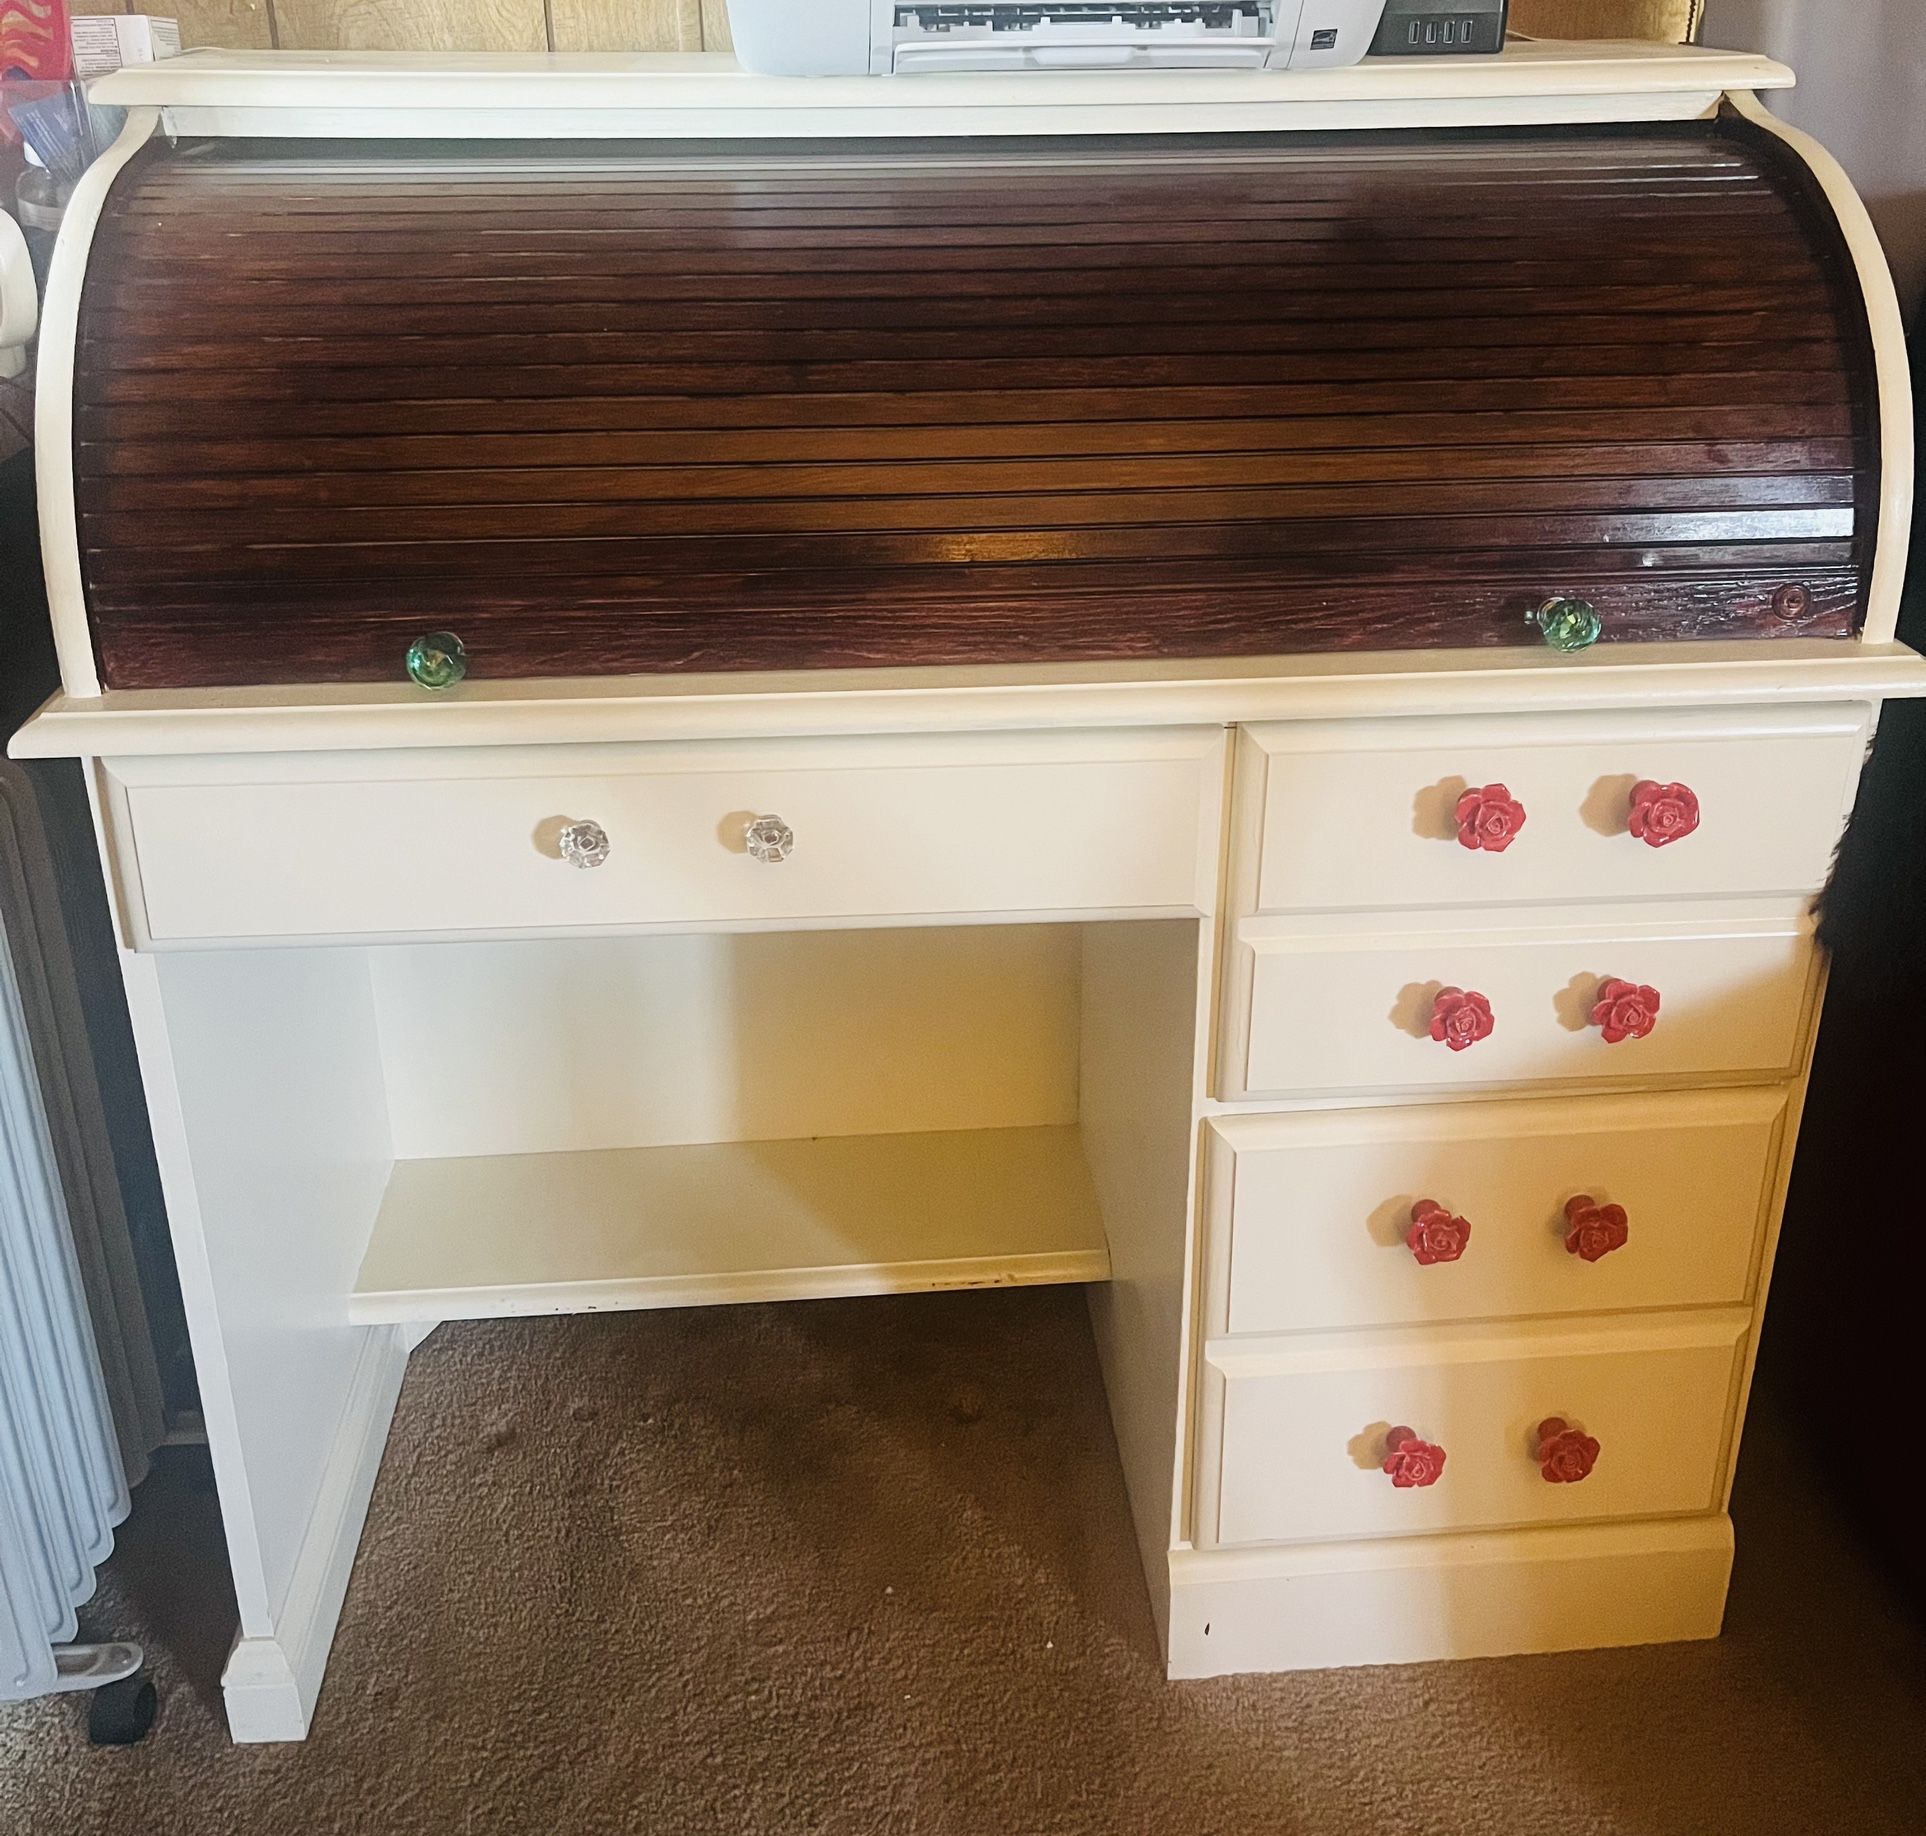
x,y
358,716
488,95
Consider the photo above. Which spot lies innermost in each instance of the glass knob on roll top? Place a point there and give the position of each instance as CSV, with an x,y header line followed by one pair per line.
x,y
438,660
1569,624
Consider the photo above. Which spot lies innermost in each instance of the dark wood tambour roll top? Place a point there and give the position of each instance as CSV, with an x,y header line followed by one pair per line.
x,y
635,409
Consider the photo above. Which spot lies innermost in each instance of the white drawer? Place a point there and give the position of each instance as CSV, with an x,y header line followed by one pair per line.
x,y
1335,815
1327,1006
1294,1434
904,830
1308,1214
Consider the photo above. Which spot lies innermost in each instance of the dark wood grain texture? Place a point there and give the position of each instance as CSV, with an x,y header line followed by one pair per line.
x,y
687,410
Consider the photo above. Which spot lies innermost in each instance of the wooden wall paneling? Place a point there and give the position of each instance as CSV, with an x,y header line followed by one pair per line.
x,y
674,25
1669,21
411,25
626,25
234,25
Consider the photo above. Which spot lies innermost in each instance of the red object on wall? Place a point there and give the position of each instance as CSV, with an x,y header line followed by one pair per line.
x,y
1593,1230
1410,1461
1565,1454
1662,813
1625,1010
35,41
1435,1234
1489,819
1460,1018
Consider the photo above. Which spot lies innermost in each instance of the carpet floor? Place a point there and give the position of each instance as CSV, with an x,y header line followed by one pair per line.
x,y
863,1568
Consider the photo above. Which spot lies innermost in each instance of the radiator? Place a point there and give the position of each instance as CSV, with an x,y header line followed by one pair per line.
x,y
64,1456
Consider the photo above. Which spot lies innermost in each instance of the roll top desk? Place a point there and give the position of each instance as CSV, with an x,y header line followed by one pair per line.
x,y
1236,688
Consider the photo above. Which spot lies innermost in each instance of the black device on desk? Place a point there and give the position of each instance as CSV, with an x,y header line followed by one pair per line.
x,y
1440,28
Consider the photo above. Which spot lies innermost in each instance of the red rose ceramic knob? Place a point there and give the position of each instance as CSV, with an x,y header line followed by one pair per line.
x,y
1435,1235
1624,1010
1662,813
1489,819
1565,1455
1593,1231
1410,1461
1460,1018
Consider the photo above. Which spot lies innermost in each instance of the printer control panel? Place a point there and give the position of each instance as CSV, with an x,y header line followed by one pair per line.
x,y
902,37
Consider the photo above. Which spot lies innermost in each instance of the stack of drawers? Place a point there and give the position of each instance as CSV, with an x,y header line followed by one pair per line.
x,y
1357,912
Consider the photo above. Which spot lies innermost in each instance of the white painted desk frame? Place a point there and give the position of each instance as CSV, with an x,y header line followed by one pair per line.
x,y
296,1460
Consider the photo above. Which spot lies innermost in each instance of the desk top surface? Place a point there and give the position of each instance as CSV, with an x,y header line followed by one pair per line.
x,y
336,717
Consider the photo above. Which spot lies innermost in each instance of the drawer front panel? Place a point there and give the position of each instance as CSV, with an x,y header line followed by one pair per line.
x,y
1366,814
1323,1012
909,831
1301,1446
1309,1213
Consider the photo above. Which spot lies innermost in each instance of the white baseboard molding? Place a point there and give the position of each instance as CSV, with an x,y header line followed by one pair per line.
x,y
1407,1600
271,1684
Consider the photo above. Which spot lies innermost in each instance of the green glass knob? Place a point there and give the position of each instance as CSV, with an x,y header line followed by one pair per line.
x,y
437,661
1569,624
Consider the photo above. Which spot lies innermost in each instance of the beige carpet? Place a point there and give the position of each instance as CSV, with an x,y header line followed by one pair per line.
x,y
862,1568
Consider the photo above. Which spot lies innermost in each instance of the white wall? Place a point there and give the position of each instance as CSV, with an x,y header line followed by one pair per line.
x,y
1862,91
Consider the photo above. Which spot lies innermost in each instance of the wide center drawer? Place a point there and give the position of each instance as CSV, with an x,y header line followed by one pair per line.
x,y
1295,1432
881,830
1310,1215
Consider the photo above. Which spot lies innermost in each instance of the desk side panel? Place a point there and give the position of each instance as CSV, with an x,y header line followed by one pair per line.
x,y
263,1075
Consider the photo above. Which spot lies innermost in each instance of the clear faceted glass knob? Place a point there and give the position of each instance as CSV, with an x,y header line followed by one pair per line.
x,y
1569,624
437,661
769,839
584,844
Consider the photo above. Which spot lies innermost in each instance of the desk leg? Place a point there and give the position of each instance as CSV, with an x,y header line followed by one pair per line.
x,y
263,1077
1146,1003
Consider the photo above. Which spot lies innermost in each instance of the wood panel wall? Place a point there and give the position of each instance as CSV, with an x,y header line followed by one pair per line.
x,y
664,25
440,25
1668,21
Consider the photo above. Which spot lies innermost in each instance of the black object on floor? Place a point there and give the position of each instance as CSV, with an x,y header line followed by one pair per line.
x,y
121,1714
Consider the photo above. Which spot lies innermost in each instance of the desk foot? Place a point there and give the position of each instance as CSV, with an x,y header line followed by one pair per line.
x,y
273,1675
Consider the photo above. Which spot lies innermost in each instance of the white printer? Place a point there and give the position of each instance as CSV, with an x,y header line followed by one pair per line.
x,y
899,37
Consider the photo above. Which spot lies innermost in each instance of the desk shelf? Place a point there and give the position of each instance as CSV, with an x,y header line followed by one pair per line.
x,y
489,1236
